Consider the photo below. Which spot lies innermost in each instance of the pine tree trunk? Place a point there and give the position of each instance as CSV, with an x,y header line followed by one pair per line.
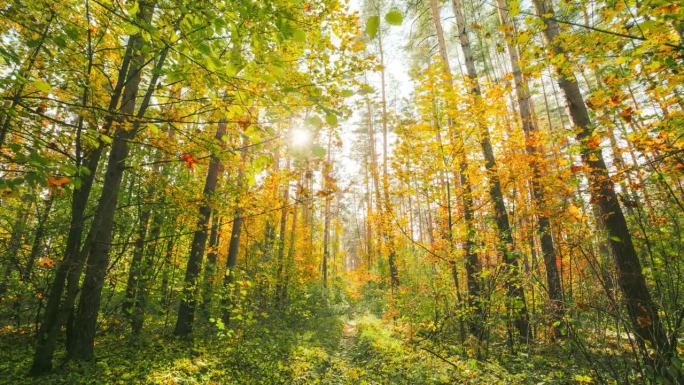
x,y
472,264
386,204
529,126
643,312
514,289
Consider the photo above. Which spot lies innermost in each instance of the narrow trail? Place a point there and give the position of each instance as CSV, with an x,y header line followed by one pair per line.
x,y
339,367
349,330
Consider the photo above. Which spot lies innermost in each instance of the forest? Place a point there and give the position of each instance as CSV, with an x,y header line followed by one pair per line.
x,y
341,192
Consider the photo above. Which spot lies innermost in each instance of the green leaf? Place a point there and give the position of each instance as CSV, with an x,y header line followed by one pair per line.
x,y
76,183
299,36
314,121
331,119
72,31
366,89
260,163
394,17
372,25
154,129
42,86
318,151
130,29
514,8
132,8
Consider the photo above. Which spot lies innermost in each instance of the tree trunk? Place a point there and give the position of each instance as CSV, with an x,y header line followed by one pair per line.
x,y
136,266
643,312
14,247
386,204
233,246
514,289
165,297
100,236
282,293
472,264
186,310
140,302
37,246
283,228
535,154
210,269
327,190
69,270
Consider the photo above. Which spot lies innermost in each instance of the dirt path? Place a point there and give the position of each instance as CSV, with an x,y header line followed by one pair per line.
x,y
349,330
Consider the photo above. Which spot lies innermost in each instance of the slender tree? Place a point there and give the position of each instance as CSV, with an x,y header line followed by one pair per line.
x,y
642,311
506,245
186,310
535,154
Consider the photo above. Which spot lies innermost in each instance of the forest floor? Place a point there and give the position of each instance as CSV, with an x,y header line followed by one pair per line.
x,y
314,343
322,348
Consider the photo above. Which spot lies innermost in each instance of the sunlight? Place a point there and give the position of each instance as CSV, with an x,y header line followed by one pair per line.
x,y
300,137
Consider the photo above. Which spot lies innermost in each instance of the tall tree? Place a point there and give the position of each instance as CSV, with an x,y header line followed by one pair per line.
x,y
535,153
642,311
234,243
186,310
506,245
472,264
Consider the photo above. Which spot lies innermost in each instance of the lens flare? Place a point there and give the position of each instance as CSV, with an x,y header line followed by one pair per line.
x,y
300,137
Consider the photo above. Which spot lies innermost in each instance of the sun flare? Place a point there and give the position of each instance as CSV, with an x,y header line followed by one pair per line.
x,y
300,137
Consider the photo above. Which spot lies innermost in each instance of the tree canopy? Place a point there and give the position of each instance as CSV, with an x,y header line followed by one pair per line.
x,y
341,192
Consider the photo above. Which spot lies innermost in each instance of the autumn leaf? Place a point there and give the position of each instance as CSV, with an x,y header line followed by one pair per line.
x,y
594,142
57,182
188,159
626,114
244,122
46,262
575,212
644,321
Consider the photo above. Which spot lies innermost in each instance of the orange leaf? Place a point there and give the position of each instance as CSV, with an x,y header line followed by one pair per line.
x,y
644,321
46,262
245,122
188,159
57,182
594,142
626,114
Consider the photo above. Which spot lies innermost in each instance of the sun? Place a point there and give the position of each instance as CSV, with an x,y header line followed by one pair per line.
x,y
300,137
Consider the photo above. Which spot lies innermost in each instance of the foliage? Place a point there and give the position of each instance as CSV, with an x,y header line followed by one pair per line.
x,y
334,192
